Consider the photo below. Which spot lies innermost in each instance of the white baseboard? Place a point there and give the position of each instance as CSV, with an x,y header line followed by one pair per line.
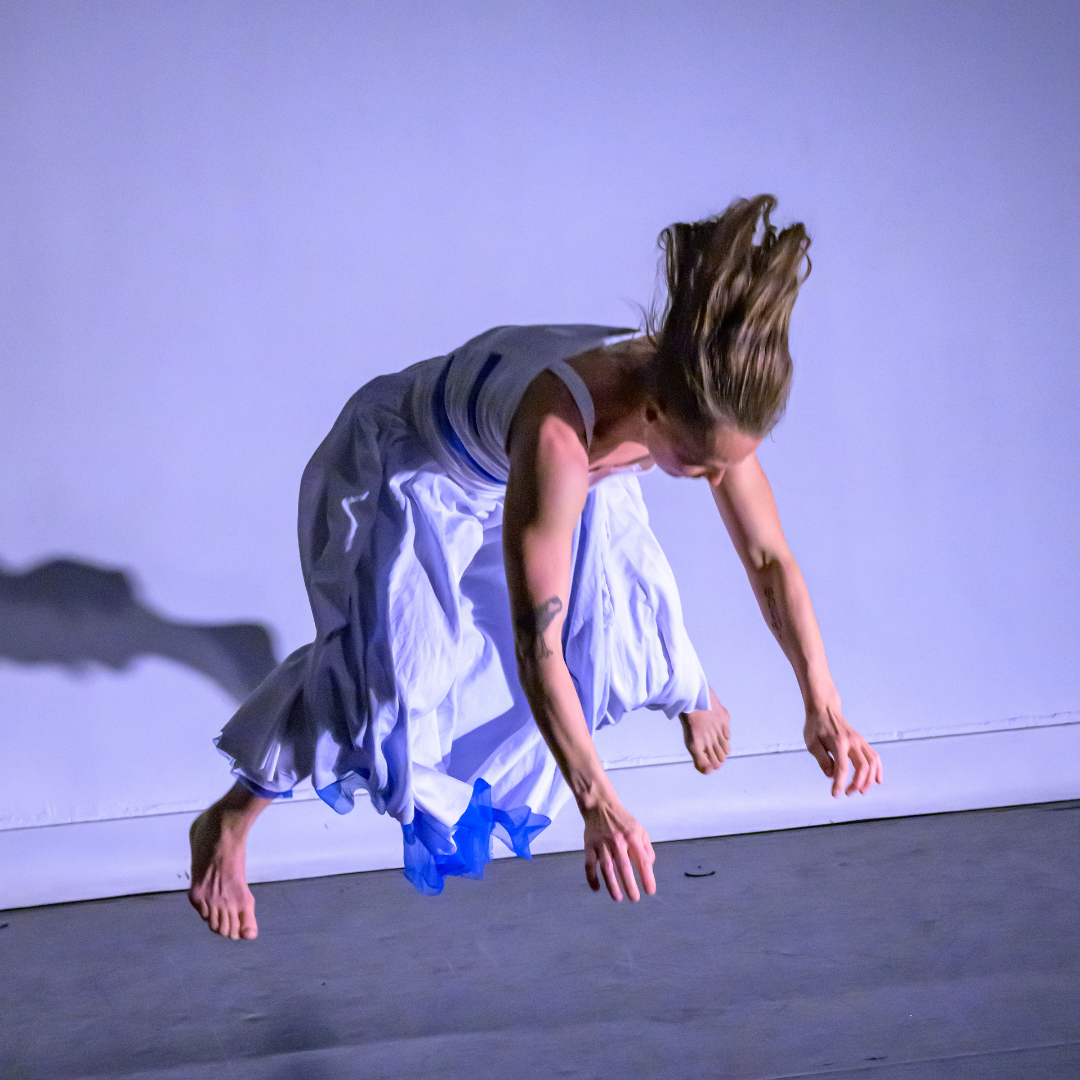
x,y
781,790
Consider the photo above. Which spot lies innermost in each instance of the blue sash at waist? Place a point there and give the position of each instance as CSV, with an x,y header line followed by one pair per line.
x,y
446,429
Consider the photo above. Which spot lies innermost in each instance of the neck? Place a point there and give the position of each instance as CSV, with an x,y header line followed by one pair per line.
x,y
618,379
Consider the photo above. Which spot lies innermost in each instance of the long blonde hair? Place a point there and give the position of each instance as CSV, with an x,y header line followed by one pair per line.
x,y
722,339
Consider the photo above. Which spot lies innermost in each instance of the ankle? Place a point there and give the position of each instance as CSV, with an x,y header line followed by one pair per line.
x,y
239,803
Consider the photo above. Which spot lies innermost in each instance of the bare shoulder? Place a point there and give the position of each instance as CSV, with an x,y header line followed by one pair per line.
x,y
549,465
547,421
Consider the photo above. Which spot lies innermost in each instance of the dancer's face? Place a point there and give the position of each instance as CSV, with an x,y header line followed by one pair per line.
x,y
685,451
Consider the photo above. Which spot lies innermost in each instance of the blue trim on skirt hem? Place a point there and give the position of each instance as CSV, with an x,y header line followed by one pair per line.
x,y
431,856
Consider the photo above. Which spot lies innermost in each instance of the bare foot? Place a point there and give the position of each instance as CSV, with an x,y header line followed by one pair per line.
x,y
707,734
219,890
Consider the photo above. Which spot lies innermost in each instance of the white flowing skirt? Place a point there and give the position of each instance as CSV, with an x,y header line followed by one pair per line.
x,y
410,689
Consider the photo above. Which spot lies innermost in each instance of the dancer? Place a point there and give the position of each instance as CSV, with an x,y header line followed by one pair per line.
x,y
487,591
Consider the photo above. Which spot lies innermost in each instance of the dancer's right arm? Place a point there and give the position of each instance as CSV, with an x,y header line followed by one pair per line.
x,y
549,480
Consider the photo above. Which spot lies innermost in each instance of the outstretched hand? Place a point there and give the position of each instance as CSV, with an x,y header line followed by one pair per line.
x,y
618,845
832,741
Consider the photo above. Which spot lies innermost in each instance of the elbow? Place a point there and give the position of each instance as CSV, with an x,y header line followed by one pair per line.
x,y
535,687
762,560
536,672
530,670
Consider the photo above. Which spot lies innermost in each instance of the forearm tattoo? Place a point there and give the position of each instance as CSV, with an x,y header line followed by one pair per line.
x,y
529,627
775,621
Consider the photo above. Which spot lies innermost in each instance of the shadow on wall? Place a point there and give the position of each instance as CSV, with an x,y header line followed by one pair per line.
x,y
71,613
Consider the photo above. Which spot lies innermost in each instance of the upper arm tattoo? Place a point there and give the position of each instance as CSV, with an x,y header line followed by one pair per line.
x,y
529,627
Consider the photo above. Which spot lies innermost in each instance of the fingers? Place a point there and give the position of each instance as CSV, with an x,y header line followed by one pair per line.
x,y
840,763
590,870
833,742
861,774
867,764
617,869
860,781
643,857
617,851
821,756
611,879
626,874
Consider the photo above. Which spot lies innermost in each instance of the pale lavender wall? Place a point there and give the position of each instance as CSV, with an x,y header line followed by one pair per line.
x,y
219,218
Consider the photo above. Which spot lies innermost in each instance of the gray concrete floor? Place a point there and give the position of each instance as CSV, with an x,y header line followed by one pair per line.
x,y
910,949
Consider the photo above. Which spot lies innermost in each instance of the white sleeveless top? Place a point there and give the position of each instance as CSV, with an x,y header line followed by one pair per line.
x,y
464,403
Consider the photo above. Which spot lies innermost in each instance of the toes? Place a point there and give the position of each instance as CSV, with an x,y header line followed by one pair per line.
x,y
228,920
199,905
248,927
704,760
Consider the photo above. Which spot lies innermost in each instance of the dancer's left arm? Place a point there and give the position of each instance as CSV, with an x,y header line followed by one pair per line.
x,y
745,501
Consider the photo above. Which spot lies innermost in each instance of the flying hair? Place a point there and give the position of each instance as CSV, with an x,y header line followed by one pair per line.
x,y
722,338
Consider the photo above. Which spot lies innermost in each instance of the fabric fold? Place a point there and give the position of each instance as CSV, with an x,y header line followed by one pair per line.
x,y
409,691
432,855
